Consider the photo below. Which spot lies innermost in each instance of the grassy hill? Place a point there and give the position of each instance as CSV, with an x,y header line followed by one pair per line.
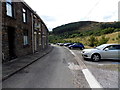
x,y
102,32
113,38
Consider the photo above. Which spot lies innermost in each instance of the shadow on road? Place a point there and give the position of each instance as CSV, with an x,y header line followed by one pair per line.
x,y
105,60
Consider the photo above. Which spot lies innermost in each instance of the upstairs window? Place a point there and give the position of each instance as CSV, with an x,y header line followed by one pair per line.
x,y
24,15
9,8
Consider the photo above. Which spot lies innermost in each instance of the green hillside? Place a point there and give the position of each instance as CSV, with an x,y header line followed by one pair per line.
x,y
113,38
83,30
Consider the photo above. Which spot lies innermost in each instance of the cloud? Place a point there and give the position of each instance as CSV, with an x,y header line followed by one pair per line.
x,y
106,18
57,12
48,18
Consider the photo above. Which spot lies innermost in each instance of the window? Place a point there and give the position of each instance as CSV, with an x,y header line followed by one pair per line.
x,y
24,15
9,8
118,47
43,30
114,47
39,25
40,38
25,37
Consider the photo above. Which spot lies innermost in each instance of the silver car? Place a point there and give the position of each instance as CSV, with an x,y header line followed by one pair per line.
x,y
105,51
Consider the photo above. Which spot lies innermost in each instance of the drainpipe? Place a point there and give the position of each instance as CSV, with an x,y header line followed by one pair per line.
x,y
3,56
32,34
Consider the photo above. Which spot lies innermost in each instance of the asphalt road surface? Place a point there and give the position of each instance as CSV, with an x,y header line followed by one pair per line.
x,y
105,71
64,68
58,69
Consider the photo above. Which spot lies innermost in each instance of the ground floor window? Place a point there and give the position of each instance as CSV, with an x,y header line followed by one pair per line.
x,y
25,37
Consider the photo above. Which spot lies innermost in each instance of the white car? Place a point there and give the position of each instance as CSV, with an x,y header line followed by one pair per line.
x,y
105,51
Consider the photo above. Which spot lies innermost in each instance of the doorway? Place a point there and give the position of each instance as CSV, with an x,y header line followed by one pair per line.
x,y
35,41
11,42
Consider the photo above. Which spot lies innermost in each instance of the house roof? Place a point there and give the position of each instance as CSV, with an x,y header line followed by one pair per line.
x,y
33,12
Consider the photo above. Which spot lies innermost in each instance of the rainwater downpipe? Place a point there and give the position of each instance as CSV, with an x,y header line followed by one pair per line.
x,y
32,34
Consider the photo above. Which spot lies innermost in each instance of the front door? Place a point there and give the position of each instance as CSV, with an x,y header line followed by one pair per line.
x,y
11,42
35,41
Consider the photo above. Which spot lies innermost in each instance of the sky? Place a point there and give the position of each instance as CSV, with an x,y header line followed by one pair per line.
x,y
58,12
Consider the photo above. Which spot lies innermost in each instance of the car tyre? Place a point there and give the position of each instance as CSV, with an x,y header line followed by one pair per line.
x,y
71,47
81,48
95,57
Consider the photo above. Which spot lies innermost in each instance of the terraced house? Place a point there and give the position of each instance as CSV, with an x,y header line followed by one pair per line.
x,y
23,31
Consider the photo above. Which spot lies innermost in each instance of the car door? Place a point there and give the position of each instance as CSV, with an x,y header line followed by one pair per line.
x,y
106,54
117,48
111,52
79,45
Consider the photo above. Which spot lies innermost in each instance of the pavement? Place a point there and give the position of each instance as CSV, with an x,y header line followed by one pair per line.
x,y
12,67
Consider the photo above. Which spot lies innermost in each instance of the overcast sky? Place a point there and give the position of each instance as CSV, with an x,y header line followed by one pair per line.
x,y
58,12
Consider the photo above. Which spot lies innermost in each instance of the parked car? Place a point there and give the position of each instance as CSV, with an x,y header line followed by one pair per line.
x,y
105,51
67,44
61,44
57,43
76,45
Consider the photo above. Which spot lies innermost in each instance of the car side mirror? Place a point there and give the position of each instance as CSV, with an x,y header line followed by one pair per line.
x,y
106,49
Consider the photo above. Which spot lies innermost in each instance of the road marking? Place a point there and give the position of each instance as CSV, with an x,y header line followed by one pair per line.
x,y
101,64
91,79
93,83
72,52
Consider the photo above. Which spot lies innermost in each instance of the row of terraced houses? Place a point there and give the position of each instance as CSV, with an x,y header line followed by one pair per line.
x,y
23,31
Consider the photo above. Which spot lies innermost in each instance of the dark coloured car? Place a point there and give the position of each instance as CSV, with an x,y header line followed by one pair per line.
x,y
76,45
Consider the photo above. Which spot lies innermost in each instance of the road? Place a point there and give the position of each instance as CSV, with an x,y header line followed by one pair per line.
x,y
63,68
58,69
105,71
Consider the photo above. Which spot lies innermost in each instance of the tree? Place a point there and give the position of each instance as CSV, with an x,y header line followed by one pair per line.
x,y
92,41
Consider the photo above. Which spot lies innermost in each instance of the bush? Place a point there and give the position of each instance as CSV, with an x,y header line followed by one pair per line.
x,y
103,40
117,38
113,39
117,29
107,30
92,41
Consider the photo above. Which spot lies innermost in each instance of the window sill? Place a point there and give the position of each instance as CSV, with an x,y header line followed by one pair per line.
x,y
11,17
25,22
27,45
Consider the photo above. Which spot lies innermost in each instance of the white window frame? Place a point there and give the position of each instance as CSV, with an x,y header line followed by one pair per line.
x,y
9,8
25,38
24,15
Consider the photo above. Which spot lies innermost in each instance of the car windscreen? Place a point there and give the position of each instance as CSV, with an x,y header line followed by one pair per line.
x,y
101,46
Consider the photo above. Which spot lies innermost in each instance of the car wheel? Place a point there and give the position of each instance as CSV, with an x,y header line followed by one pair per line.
x,y
81,48
96,57
71,47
